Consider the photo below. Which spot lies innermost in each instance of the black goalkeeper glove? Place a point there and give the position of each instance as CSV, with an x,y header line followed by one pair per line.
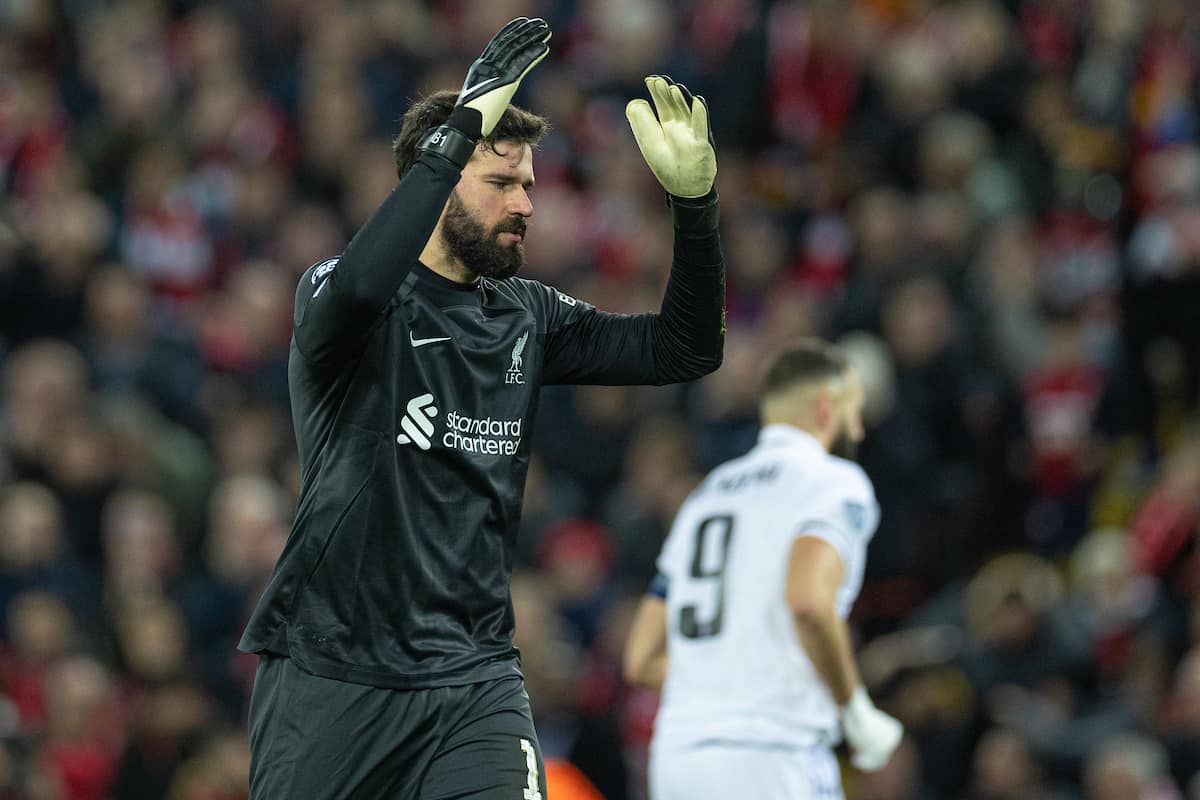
x,y
491,82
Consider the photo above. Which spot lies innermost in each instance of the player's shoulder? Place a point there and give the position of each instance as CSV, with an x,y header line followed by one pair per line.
x,y
320,270
533,294
843,477
523,288
312,283
826,474
529,288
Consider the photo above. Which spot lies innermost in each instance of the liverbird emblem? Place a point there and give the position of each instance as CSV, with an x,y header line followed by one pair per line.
x,y
516,372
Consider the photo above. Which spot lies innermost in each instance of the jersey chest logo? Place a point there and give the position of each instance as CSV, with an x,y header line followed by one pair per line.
x,y
417,422
458,430
516,371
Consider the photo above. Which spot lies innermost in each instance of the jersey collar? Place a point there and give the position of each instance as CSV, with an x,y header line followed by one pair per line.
x,y
443,291
780,435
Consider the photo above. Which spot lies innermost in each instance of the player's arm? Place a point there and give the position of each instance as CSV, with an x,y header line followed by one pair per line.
x,y
815,573
644,663
337,303
685,339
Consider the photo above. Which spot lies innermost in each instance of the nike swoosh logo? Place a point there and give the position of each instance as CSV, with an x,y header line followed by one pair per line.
x,y
319,288
481,84
419,342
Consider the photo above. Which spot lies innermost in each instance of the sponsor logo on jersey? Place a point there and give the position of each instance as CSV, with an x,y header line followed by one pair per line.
x,y
417,422
516,372
566,298
482,435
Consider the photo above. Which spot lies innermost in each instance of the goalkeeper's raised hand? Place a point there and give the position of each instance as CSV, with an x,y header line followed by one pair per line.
x,y
491,82
494,77
677,143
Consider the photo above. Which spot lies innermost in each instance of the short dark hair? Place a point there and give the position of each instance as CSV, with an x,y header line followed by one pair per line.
x,y
515,125
805,361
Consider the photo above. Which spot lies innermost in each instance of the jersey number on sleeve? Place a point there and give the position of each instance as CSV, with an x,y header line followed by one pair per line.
x,y
722,527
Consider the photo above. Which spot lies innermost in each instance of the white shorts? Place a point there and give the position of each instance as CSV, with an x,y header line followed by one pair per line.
x,y
727,771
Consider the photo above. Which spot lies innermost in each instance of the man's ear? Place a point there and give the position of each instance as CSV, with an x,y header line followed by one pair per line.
x,y
824,409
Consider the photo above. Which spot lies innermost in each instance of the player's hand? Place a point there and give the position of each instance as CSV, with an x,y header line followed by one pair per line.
x,y
871,734
677,144
494,77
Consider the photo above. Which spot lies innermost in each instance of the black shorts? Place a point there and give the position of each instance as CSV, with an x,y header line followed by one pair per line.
x,y
314,738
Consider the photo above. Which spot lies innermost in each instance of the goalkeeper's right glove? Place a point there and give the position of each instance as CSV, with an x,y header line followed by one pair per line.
x,y
491,82
871,734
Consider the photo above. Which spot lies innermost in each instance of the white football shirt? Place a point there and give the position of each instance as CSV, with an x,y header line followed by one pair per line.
x,y
737,670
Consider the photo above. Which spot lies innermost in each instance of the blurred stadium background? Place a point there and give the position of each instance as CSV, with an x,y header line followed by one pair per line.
x,y
994,203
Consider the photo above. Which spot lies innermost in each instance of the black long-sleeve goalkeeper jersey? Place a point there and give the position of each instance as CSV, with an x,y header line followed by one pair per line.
x,y
413,400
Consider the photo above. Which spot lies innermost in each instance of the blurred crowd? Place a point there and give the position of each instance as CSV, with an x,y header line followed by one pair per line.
x,y
993,204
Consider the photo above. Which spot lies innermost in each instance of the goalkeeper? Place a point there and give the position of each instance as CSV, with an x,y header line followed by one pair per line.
x,y
386,667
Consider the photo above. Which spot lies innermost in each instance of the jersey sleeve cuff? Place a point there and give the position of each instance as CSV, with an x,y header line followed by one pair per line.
x,y
450,143
695,216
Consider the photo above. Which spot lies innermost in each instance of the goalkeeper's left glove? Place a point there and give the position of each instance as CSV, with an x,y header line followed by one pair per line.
x,y
677,144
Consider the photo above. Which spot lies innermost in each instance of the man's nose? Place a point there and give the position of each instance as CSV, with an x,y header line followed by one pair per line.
x,y
520,203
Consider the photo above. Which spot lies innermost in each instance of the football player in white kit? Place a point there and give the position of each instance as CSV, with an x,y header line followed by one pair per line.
x,y
743,630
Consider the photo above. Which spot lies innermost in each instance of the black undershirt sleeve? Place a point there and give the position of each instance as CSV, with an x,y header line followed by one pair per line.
x,y
338,302
683,341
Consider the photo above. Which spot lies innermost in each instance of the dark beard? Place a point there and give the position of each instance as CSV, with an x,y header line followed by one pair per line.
x,y
478,250
843,446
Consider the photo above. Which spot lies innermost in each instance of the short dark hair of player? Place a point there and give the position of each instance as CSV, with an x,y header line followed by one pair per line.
x,y
804,363
516,125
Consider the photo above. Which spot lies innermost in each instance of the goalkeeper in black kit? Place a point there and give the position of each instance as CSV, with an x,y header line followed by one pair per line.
x,y
387,667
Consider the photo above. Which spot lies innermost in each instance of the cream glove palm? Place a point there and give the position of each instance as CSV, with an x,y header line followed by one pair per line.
x,y
677,143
